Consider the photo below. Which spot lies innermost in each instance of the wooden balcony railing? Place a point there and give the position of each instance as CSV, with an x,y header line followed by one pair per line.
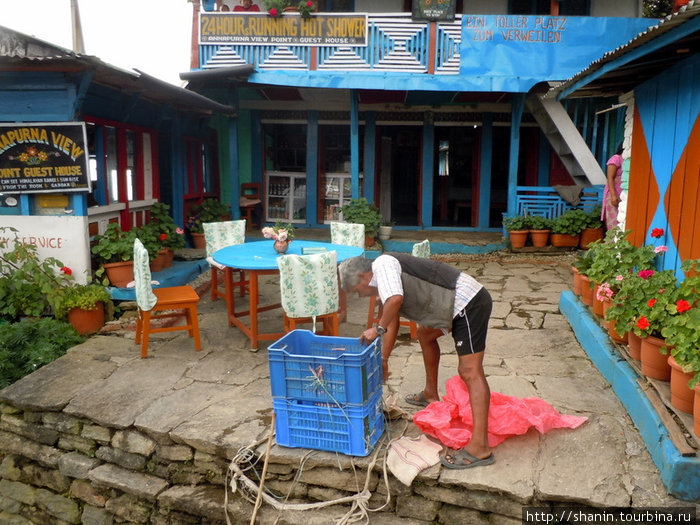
x,y
394,43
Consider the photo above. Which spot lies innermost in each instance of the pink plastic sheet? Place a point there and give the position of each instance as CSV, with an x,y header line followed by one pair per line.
x,y
450,420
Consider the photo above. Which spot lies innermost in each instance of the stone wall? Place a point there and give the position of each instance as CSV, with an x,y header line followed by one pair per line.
x,y
59,469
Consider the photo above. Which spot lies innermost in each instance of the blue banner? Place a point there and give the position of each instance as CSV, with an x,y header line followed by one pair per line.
x,y
513,53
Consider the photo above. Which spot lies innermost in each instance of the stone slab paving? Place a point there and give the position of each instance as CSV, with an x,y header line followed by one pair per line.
x,y
218,400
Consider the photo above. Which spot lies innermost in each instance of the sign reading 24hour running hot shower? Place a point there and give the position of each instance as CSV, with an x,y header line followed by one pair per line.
x,y
43,157
288,29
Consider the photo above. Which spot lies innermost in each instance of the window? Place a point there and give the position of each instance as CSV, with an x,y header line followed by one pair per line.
x,y
544,7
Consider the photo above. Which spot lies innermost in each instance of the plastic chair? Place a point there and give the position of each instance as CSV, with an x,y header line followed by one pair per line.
x,y
420,249
348,234
309,290
180,301
218,235
250,191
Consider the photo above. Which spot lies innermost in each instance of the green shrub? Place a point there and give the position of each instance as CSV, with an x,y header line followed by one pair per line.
x,y
571,222
516,223
28,345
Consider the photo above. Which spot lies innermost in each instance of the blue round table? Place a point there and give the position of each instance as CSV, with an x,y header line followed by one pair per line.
x,y
259,258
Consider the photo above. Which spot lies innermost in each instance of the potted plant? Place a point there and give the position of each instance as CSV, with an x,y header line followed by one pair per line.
x,y
170,235
593,229
275,8
384,233
360,211
114,250
682,335
29,285
518,228
566,228
281,234
539,230
209,210
83,306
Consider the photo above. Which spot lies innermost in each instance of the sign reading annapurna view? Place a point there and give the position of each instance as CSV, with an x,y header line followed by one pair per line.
x,y
43,157
289,29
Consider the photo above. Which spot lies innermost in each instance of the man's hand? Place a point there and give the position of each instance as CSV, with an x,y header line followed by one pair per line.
x,y
369,335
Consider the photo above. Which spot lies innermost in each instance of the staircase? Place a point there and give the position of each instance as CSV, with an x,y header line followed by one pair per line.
x,y
565,139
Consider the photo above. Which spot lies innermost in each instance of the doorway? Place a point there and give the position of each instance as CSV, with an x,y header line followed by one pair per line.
x,y
456,176
399,164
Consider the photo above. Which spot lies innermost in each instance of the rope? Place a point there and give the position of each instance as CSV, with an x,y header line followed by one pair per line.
x,y
240,482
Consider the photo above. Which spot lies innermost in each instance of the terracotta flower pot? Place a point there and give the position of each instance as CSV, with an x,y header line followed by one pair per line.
x,y
588,235
654,363
635,345
198,241
586,291
120,273
682,396
158,262
597,304
169,255
87,322
540,238
563,240
614,335
518,238
577,281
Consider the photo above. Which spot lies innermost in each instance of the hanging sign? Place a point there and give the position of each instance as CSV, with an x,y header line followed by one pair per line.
x,y
290,29
434,10
43,157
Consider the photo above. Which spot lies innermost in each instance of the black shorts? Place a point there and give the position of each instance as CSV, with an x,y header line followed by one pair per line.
x,y
470,326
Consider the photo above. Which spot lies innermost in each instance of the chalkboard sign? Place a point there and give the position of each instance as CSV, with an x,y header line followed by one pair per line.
x,y
434,10
43,157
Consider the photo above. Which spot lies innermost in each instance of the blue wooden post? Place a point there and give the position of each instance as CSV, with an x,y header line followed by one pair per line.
x,y
234,176
370,154
355,145
518,105
428,162
312,168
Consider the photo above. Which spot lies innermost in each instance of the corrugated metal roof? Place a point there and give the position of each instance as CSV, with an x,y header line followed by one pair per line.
x,y
623,77
20,52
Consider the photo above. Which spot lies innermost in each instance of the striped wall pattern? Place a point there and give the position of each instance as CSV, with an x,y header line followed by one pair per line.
x,y
394,43
664,186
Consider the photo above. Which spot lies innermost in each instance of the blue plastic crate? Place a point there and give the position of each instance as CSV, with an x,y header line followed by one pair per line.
x,y
338,370
349,430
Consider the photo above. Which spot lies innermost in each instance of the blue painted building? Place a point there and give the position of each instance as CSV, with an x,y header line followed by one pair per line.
x,y
436,121
146,140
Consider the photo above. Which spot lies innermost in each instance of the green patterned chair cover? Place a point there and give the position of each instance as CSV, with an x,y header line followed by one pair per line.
x,y
421,249
145,297
309,285
348,234
218,235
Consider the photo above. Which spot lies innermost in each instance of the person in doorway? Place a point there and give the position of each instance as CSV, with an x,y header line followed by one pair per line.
x,y
441,299
247,6
612,190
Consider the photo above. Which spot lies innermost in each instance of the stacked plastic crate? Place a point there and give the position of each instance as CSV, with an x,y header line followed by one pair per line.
x,y
327,392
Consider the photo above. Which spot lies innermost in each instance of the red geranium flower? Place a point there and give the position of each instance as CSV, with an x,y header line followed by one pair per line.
x,y
651,303
657,232
272,12
643,323
66,270
645,274
163,236
682,306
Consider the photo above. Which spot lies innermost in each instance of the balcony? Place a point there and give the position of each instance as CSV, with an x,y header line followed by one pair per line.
x,y
390,51
389,43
